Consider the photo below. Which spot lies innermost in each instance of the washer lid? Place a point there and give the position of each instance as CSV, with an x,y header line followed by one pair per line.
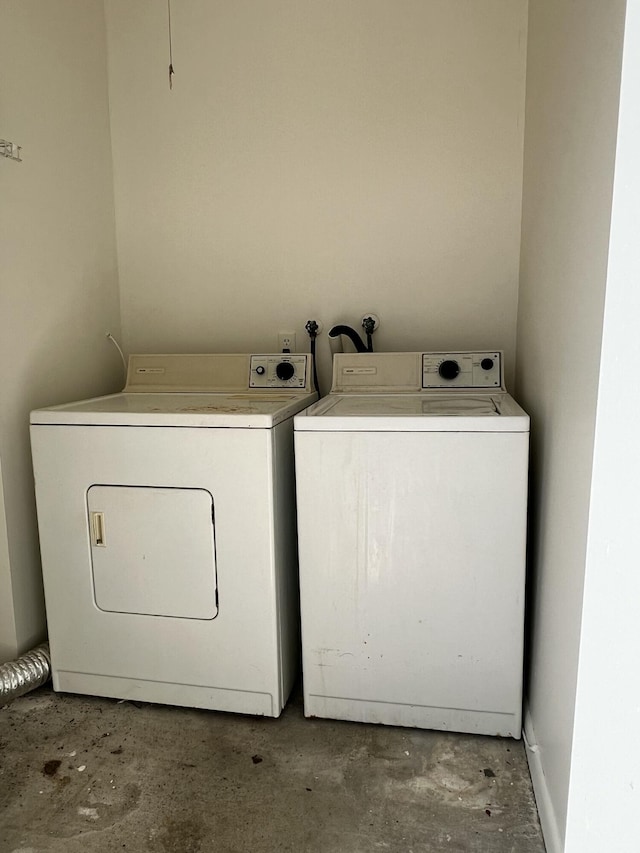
x,y
257,410
433,412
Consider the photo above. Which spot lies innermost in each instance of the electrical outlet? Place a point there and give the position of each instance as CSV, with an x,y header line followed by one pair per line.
x,y
286,341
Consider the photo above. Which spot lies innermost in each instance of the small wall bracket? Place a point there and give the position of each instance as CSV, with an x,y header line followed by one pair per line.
x,y
10,150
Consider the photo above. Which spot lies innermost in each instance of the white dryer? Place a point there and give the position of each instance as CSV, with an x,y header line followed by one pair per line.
x,y
412,495
167,530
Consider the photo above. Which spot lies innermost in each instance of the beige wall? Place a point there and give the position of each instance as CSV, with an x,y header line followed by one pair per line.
x,y
7,618
318,159
604,817
59,292
573,77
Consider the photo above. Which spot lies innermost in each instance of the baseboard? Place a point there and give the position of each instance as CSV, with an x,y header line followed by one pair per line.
x,y
546,812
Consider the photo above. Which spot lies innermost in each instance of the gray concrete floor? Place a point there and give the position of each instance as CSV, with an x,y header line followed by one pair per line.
x,y
87,774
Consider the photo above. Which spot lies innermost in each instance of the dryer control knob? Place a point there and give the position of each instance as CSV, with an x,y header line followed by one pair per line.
x,y
449,369
486,363
260,370
285,370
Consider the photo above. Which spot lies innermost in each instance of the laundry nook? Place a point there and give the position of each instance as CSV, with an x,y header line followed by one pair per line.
x,y
318,507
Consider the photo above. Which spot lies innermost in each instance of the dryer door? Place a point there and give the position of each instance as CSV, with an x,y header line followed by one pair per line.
x,y
153,550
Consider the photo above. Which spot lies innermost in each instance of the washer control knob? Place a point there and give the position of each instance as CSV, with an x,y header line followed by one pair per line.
x,y
486,363
260,370
285,370
449,369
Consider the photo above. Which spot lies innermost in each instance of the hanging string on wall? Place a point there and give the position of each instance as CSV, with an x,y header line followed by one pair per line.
x,y
171,72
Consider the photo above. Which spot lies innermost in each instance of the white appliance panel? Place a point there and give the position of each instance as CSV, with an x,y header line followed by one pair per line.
x,y
153,550
412,577
238,661
168,532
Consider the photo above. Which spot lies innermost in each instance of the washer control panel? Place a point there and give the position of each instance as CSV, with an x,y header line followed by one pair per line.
x,y
278,371
462,369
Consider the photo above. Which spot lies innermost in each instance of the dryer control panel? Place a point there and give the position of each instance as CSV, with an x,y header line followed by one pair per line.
x,y
462,369
278,371
203,373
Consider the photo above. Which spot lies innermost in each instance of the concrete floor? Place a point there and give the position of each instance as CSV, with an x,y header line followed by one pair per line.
x,y
86,774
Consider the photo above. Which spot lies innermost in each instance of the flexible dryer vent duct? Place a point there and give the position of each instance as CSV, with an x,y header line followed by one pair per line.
x,y
28,672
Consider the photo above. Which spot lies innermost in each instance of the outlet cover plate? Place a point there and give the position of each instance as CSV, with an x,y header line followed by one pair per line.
x,y
286,341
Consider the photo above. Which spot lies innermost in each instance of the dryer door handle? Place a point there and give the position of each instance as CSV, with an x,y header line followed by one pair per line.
x,y
98,529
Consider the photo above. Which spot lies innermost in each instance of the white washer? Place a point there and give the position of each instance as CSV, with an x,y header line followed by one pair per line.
x,y
412,493
167,531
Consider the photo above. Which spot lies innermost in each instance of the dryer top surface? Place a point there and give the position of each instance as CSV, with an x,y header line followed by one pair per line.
x,y
252,409
236,390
